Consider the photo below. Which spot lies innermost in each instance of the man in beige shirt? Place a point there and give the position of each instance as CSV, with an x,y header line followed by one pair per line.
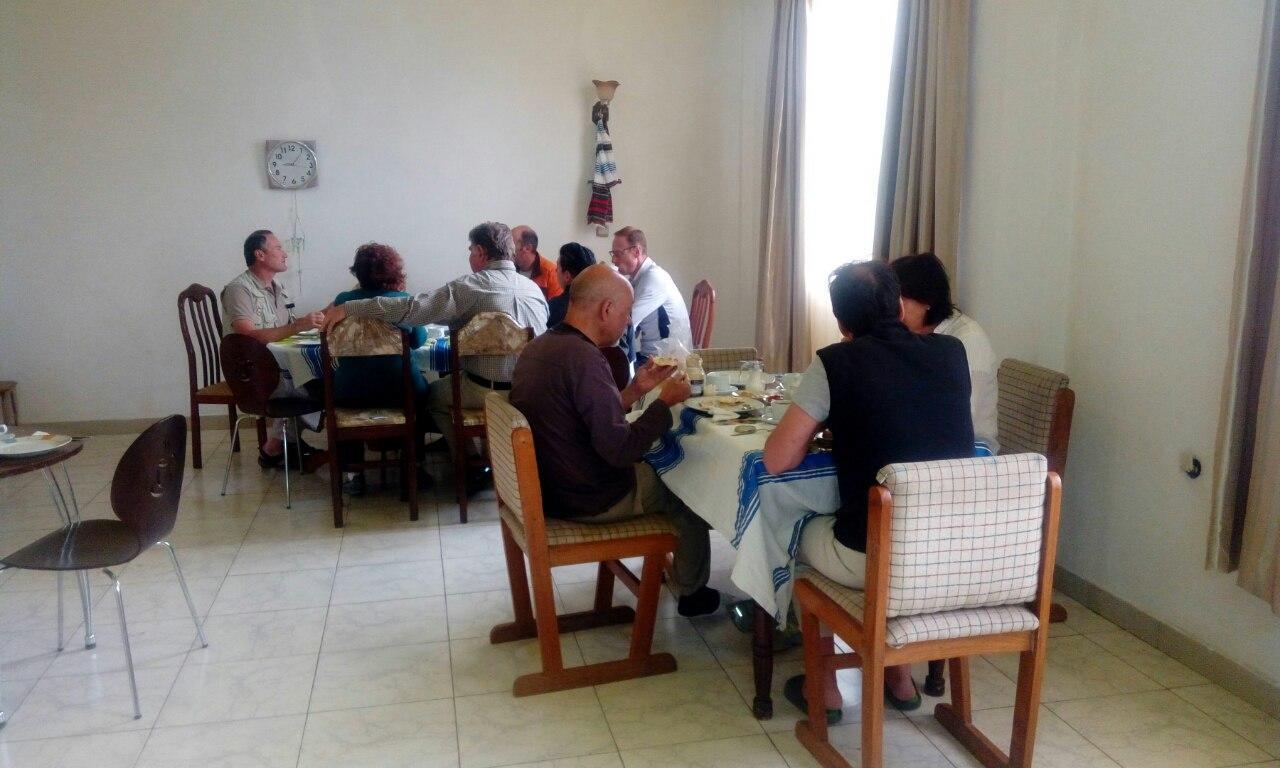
x,y
255,304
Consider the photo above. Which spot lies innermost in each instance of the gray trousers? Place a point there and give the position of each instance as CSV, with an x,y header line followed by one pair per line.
x,y
692,567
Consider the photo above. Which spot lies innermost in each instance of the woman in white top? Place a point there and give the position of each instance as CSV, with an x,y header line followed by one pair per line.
x,y
927,308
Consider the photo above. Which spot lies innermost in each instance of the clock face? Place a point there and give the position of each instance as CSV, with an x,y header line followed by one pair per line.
x,y
291,165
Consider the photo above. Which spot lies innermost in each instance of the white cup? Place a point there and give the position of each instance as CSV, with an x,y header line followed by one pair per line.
x,y
717,383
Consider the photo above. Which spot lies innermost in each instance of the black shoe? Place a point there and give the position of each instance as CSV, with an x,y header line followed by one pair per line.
x,y
269,461
356,486
705,600
425,481
793,690
478,478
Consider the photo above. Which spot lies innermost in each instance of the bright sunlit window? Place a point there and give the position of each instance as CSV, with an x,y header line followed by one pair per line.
x,y
850,52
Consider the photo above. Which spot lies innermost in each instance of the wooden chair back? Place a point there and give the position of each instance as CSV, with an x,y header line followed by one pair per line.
x,y
726,358
515,466
1034,410
251,371
201,329
147,484
702,313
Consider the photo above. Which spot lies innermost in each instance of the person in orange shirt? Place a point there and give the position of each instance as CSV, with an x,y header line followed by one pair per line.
x,y
533,265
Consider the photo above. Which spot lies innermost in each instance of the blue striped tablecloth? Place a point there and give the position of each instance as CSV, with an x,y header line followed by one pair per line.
x,y
721,477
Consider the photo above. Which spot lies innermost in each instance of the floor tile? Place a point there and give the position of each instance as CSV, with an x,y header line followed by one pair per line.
x,y
482,667
604,760
495,729
260,556
151,601
473,615
264,635
373,676
744,752
989,688
153,644
674,708
485,573
70,706
1147,660
206,561
1237,714
1057,745
471,540
674,636
269,742
1155,730
402,545
381,624
415,735
240,690
1077,668
252,592
26,655
1081,619
904,746
387,581
107,750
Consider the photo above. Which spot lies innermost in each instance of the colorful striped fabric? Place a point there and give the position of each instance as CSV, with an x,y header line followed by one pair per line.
x,y
604,178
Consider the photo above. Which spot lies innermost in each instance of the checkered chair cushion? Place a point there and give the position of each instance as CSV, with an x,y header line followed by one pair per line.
x,y
726,358
945,625
502,420
368,417
472,417
1025,406
364,337
964,533
572,532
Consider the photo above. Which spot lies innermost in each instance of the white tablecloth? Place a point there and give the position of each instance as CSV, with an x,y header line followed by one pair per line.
x,y
721,476
300,360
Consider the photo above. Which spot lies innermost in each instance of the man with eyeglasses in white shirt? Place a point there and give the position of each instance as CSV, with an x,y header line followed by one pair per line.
x,y
659,311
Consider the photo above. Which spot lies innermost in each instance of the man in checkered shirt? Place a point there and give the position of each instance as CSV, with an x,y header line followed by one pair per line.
x,y
494,285
888,395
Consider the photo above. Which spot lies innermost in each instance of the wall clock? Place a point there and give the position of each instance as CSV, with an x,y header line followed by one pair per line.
x,y
291,164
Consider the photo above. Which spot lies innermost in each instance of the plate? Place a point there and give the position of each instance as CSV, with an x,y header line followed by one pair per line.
x,y
724,404
33,446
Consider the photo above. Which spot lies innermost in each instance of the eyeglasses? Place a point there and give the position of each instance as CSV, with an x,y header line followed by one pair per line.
x,y
616,254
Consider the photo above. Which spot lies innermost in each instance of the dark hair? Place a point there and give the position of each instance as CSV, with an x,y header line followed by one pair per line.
x,y
253,243
528,237
575,257
862,294
923,278
378,268
494,238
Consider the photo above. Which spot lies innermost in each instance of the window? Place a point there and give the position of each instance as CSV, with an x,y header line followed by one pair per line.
x,y
849,56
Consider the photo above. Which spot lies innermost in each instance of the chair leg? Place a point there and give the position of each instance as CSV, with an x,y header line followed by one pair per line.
x,y
1026,709
86,605
186,593
335,482
812,731
460,474
60,645
873,712
411,468
646,605
226,474
231,418
288,493
524,624
957,718
124,633
544,605
604,588
961,702
197,461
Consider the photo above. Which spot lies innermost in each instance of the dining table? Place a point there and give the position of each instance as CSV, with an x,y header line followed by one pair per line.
x,y
715,465
63,495
299,357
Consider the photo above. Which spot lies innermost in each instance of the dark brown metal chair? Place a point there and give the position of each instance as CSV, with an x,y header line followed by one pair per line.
x,y
144,496
702,313
198,310
254,375
363,337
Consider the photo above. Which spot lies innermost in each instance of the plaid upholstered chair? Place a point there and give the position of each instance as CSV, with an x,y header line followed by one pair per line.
x,y
548,543
488,334
726,358
960,559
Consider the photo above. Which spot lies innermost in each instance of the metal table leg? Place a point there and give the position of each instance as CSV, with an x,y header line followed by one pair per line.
x,y
69,511
762,661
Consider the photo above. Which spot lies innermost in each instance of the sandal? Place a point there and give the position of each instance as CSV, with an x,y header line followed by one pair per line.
x,y
793,690
904,705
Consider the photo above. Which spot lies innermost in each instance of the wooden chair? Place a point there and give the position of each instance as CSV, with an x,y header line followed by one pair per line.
x,y
1033,414
960,558
253,375
364,337
488,334
549,542
9,402
145,492
726,358
198,310
702,313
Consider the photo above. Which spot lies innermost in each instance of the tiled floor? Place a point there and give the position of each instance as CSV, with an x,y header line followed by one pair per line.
x,y
368,647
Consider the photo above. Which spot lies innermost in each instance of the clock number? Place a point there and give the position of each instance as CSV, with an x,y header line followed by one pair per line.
x,y
279,156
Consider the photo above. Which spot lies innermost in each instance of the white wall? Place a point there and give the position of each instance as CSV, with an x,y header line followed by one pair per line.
x,y
1108,161
131,142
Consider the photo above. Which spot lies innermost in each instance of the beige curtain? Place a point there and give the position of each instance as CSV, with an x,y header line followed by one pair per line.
x,y
921,170
1246,491
782,329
